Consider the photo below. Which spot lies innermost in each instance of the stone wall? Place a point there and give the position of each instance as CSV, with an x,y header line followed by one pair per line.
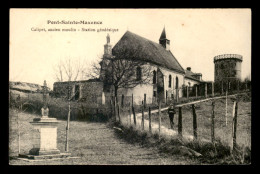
x,y
227,68
90,92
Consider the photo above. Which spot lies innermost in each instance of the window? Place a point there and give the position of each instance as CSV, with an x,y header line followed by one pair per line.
x,y
177,82
170,81
77,90
234,73
154,77
138,73
173,82
154,93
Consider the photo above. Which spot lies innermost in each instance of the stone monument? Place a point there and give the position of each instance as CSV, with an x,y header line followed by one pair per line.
x,y
45,136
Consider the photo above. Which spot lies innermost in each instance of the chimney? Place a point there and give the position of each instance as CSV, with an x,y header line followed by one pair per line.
x,y
189,68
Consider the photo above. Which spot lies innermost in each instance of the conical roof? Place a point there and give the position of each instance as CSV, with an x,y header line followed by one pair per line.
x,y
163,35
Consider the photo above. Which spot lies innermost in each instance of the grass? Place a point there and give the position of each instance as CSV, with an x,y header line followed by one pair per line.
x,y
220,154
203,112
88,140
58,107
172,147
94,143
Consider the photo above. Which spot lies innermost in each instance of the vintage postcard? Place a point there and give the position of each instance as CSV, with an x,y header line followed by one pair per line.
x,y
130,86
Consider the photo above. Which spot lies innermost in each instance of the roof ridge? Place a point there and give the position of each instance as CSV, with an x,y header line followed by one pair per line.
x,y
146,49
143,37
177,61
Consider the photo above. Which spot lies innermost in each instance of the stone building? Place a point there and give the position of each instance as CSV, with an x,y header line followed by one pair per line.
x,y
165,80
90,91
167,75
192,78
228,70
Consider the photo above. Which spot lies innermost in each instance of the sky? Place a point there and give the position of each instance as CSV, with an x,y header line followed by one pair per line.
x,y
196,36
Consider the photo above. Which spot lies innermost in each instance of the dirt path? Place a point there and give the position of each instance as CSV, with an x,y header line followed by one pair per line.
x,y
94,143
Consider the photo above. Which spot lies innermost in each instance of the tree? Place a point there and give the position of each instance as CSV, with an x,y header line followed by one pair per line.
x,y
69,70
121,73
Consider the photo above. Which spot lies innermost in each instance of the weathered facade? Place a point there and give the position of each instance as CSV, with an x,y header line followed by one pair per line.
x,y
191,78
228,70
90,91
166,77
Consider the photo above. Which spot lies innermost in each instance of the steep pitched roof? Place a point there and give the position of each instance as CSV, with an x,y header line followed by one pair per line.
x,y
134,47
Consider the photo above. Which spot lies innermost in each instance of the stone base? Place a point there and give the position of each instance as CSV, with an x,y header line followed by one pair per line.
x,y
38,151
53,156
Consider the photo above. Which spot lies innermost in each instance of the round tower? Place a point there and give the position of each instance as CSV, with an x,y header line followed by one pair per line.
x,y
228,69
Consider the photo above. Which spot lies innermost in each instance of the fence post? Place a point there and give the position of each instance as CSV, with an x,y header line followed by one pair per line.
x,y
159,113
238,86
180,122
130,111
212,89
134,115
132,99
196,89
206,91
234,126
122,102
18,129
226,108
177,95
213,123
144,100
115,108
150,121
194,122
142,123
187,92
118,109
222,90
111,103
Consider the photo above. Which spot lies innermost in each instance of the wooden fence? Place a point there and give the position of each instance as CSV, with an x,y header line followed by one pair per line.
x,y
132,113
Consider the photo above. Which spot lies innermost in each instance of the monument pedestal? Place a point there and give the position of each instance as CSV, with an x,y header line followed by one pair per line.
x,y
45,138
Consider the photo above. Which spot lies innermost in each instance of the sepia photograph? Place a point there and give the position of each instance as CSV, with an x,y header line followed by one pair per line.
x,y
129,86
